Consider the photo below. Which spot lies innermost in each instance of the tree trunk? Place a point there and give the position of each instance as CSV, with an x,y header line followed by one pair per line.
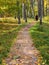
x,y
19,18
25,13
41,12
39,8
43,8
32,7
23,10
46,9
18,13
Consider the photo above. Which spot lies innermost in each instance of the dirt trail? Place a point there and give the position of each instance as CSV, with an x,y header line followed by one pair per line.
x,y
23,52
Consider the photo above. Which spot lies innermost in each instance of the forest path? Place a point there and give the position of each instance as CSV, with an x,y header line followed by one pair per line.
x,y
23,52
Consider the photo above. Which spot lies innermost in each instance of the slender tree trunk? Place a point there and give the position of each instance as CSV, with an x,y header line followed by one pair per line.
x,y
32,7
23,10
43,8
40,3
46,9
25,13
39,8
18,13
40,12
19,17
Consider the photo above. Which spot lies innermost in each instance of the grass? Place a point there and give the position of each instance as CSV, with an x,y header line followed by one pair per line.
x,y
46,18
40,36
30,20
8,34
8,20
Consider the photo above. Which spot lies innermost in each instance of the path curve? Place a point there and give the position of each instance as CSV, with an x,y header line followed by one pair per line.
x,y
23,52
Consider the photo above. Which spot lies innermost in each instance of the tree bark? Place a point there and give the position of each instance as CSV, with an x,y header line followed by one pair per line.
x,y
32,7
25,13
41,12
23,10
43,8
18,13
39,8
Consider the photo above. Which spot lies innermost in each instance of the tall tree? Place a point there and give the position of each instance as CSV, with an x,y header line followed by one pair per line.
x,y
18,12
24,10
40,10
32,7
43,8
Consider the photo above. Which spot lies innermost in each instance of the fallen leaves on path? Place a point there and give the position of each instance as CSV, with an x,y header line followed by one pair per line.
x,y
22,52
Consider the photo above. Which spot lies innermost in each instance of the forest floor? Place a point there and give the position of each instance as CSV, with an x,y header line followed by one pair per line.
x,y
40,36
23,51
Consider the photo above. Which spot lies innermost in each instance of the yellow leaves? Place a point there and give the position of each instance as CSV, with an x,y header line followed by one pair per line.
x,y
43,63
45,2
38,63
4,62
17,64
46,18
40,60
1,48
24,1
